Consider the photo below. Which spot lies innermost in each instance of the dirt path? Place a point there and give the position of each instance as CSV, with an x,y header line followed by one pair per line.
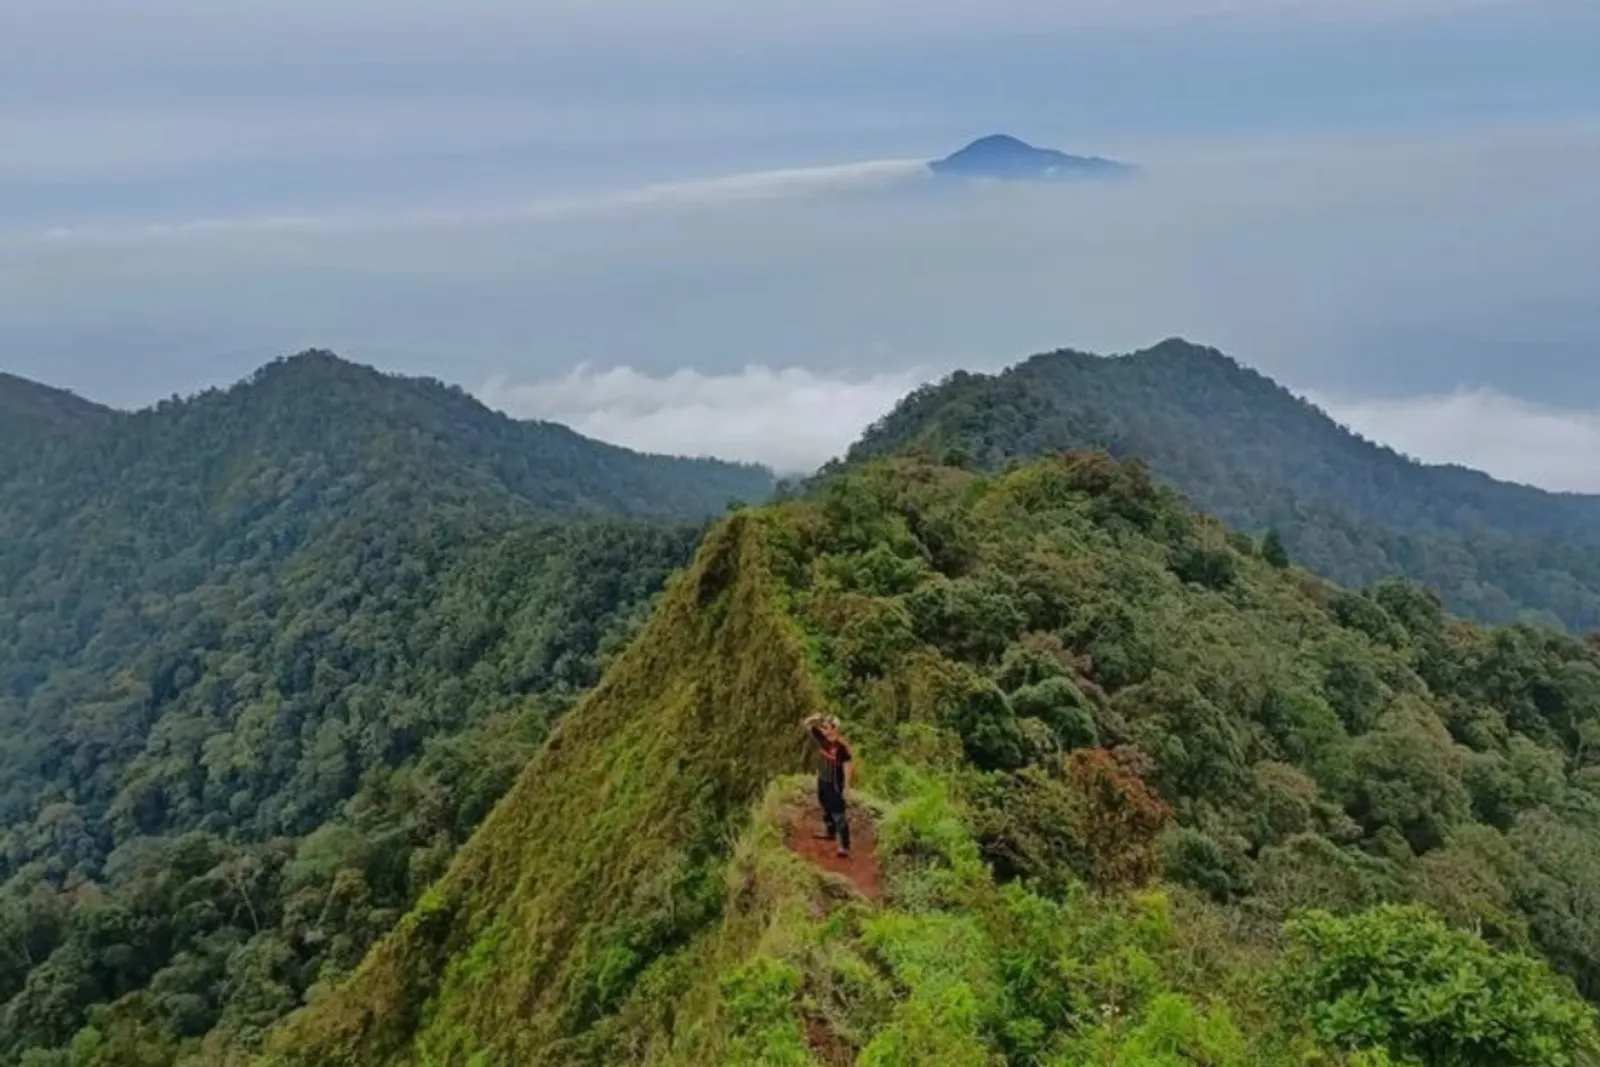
x,y
802,824
861,868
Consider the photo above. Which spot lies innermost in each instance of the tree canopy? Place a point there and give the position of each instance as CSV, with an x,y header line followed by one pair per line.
x,y
267,655
344,723
1141,795
1248,451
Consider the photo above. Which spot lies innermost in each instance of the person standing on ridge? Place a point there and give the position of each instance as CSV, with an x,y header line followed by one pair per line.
x,y
834,771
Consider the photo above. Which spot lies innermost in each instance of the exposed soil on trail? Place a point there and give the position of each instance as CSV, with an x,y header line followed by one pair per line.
x,y
860,867
827,1046
802,834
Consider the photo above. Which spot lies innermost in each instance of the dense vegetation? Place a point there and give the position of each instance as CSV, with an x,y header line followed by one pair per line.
x,y
35,418
288,775
1146,797
267,656
1251,453
34,408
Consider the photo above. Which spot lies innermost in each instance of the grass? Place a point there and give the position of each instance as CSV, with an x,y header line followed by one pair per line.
x,y
606,861
632,900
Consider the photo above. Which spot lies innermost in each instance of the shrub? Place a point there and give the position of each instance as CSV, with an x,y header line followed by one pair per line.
x,y
1118,819
1399,979
1058,703
764,1031
1192,858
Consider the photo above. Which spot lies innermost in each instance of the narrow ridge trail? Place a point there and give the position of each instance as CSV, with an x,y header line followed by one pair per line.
x,y
860,868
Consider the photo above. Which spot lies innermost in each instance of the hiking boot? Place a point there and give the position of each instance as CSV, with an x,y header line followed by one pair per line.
x,y
844,853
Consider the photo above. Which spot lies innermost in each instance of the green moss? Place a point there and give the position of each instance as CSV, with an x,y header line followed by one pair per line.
x,y
606,855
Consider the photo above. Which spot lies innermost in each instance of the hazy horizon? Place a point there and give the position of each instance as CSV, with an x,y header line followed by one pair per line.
x,y
711,233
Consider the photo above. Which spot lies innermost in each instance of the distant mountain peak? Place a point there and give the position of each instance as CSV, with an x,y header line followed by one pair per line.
x,y
1002,156
312,361
1000,142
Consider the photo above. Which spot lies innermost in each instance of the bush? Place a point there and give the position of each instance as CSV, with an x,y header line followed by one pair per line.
x,y
1192,858
1118,820
1057,702
970,619
988,727
1399,979
1272,550
759,999
1205,565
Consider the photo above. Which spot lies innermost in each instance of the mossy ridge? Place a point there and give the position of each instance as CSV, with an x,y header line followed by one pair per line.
x,y
608,852
1015,655
734,995
929,596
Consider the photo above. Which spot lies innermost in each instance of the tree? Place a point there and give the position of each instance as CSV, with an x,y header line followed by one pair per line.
x,y
1272,549
1116,819
1397,978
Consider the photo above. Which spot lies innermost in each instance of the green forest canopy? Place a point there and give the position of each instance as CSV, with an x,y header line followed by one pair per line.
x,y
1144,797
267,655
1247,450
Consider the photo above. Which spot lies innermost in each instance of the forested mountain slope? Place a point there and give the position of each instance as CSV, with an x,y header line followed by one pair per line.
x,y
266,656
34,418
32,405
1142,797
1247,450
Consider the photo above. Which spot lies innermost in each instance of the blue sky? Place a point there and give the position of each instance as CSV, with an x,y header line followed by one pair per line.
x,y
1389,203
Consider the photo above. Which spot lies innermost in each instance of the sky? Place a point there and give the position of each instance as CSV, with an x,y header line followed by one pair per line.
x,y
705,227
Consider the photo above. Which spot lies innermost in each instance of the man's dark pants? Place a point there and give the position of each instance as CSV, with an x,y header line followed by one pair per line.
x,y
833,812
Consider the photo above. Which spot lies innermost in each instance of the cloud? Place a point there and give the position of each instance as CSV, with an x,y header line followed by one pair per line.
x,y
1512,439
108,140
1357,265
757,186
789,418
116,106
92,62
794,419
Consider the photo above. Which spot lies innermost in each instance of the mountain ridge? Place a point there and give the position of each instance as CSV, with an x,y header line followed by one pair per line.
x,y
296,637
715,664
305,446
331,737
1110,753
1245,448
20,397
35,419
24,397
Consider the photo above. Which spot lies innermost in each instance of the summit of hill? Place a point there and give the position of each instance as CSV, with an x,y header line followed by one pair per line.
x,y
1247,450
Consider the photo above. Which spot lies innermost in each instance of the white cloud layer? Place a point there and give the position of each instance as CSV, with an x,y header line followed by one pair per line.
x,y
794,419
789,184
1507,437
1362,265
790,419
146,91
